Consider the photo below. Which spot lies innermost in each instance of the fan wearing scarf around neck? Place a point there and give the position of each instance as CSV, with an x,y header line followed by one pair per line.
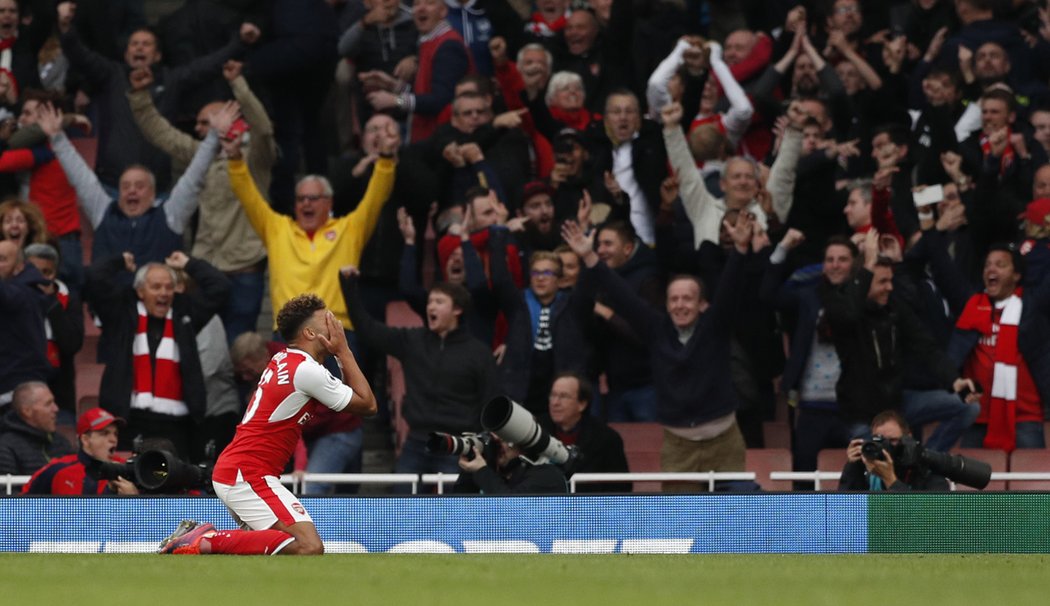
x,y
154,377
1000,338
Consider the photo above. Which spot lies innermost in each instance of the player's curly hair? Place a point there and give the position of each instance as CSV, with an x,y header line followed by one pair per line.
x,y
294,313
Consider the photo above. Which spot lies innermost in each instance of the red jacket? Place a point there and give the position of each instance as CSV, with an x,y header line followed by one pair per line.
x,y
68,476
48,187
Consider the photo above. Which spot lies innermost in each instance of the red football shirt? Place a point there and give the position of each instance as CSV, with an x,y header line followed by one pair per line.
x,y
291,388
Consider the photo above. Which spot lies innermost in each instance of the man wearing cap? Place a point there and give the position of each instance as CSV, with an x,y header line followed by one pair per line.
x,y
27,430
76,474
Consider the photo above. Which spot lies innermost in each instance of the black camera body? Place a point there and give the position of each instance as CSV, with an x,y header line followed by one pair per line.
x,y
461,446
910,453
157,472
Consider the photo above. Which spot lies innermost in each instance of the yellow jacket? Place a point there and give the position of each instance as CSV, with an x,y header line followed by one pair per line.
x,y
300,265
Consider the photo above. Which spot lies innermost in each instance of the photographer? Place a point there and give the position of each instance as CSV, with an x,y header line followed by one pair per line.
x,y
502,470
864,472
72,474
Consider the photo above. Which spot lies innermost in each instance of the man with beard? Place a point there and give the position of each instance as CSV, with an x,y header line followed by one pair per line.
x,y
538,227
812,76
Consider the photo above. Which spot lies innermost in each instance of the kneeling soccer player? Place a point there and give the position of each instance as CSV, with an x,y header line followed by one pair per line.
x,y
247,475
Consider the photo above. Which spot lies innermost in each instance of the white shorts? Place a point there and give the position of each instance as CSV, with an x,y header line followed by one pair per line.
x,y
258,503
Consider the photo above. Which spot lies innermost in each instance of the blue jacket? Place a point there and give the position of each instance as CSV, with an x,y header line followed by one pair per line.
x,y
472,22
147,236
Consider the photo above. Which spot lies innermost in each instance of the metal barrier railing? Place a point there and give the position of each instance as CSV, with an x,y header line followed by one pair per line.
x,y
299,482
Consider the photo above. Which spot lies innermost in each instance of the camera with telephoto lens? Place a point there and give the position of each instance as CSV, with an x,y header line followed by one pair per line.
x,y
909,452
515,425
462,445
159,471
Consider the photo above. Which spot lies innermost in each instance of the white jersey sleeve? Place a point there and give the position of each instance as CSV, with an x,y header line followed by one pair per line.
x,y
315,381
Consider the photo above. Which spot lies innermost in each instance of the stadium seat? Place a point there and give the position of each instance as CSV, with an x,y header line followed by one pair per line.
x,y
1030,460
762,461
831,459
398,314
642,443
995,458
86,403
776,434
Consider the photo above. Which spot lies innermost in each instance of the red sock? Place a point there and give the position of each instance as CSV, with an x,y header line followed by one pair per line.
x,y
249,542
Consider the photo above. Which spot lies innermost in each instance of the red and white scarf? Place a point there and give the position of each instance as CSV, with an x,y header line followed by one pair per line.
x,y
157,390
62,294
539,26
6,60
1002,404
1008,153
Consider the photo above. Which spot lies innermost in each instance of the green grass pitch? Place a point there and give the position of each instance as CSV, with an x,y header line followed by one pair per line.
x,y
606,580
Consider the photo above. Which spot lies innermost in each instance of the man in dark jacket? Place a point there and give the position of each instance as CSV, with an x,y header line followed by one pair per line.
x,y
78,474
872,335
632,151
600,447
544,332
27,431
64,325
121,143
154,377
689,354
22,331
864,473
502,470
449,375
632,396
812,368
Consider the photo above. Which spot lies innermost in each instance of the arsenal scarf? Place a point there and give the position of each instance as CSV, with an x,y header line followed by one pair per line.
x,y
62,294
1008,152
577,119
6,59
157,387
541,27
1002,403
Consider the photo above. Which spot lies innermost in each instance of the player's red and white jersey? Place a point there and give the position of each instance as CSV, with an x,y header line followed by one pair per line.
x,y
290,389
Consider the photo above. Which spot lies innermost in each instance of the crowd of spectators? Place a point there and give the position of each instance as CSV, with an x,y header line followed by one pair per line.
x,y
685,212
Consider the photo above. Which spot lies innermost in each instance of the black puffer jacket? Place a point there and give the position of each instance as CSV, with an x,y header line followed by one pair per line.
x,y
25,449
